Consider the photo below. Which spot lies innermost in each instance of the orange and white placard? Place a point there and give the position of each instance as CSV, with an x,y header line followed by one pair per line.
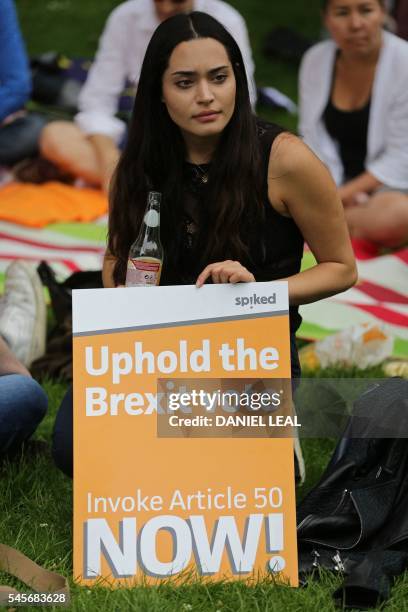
x,y
149,507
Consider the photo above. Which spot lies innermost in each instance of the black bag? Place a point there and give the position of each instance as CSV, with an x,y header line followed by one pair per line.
x,y
51,83
355,520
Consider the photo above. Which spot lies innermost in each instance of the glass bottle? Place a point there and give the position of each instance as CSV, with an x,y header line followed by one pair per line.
x,y
146,253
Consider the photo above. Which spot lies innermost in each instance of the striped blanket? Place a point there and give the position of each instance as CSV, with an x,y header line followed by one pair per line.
x,y
67,247
381,294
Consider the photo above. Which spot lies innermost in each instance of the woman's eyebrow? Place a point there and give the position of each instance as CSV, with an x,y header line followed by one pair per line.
x,y
183,73
213,70
192,72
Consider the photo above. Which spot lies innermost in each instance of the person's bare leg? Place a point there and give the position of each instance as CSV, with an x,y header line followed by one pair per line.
x,y
9,364
383,220
63,143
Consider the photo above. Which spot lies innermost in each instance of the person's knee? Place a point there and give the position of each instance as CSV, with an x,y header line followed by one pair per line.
x,y
56,137
35,398
23,404
383,220
392,208
20,138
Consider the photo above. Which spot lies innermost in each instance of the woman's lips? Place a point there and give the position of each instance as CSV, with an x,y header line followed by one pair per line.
x,y
207,117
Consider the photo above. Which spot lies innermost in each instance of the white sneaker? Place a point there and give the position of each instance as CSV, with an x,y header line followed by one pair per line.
x,y
23,312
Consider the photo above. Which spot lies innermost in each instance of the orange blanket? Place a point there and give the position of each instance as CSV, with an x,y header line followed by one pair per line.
x,y
39,205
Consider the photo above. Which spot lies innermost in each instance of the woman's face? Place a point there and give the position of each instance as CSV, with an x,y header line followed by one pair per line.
x,y
199,87
355,25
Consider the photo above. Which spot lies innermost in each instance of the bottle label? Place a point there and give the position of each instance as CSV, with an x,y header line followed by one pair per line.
x,y
143,273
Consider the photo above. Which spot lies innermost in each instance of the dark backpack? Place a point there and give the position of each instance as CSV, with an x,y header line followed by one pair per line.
x,y
356,518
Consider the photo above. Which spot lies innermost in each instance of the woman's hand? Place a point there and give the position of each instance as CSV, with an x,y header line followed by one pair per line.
x,y
225,272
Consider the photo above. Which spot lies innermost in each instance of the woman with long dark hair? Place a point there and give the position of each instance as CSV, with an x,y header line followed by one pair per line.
x,y
239,195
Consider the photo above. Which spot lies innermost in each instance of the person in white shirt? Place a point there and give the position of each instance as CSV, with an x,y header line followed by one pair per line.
x,y
89,147
354,115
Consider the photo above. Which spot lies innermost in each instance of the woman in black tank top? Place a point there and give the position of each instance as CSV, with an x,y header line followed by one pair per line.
x,y
239,195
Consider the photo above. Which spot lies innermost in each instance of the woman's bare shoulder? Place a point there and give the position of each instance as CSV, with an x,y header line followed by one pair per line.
x,y
289,154
296,175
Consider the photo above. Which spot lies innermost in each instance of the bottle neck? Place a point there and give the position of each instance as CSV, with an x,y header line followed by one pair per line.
x,y
150,233
148,240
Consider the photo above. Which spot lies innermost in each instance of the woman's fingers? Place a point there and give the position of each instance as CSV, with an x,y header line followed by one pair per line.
x,y
206,273
225,272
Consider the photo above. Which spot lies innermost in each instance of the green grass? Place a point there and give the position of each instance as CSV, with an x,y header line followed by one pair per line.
x,y
35,498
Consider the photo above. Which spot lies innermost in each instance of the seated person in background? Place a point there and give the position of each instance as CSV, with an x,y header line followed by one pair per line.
x,y
23,403
89,148
19,130
353,93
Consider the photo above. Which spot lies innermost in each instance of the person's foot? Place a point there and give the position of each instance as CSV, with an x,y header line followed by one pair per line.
x,y
39,170
23,312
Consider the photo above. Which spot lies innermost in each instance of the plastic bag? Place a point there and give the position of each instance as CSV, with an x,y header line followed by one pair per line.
x,y
364,345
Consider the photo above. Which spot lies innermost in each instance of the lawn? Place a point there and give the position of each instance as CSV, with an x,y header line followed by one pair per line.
x,y
36,499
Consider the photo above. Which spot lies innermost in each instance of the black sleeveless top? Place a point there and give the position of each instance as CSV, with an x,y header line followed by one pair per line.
x,y
275,243
349,129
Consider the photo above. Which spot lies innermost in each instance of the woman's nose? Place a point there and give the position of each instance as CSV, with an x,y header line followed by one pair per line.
x,y
204,91
355,20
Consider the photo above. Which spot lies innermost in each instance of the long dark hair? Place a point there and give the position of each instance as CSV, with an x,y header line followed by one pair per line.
x,y
155,153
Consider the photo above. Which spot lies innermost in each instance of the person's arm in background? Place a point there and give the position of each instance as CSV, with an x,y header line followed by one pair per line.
x,y
358,189
98,101
239,31
15,80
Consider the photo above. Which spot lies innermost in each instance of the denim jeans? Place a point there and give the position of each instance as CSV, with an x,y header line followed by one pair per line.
x,y
19,139
23,404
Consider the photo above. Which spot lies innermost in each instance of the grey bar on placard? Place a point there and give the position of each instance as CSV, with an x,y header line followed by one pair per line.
x,y
119,330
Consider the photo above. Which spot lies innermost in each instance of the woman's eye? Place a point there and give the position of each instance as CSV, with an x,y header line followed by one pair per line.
x,y
220,78
184,83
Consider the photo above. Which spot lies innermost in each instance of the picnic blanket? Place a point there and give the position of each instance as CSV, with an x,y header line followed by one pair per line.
x,y
67,247
40,205
381,295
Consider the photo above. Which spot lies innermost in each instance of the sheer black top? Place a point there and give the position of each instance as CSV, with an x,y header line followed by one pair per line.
x,y
275,243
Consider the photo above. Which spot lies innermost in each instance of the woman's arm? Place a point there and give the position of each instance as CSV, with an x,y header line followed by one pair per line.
x,y
300,186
